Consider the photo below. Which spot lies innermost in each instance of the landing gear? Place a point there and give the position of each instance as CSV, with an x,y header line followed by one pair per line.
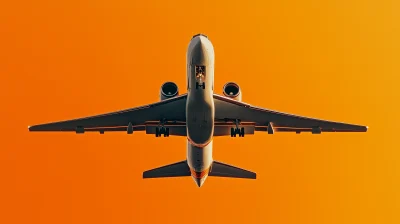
x,y
200,85
237,130
162,130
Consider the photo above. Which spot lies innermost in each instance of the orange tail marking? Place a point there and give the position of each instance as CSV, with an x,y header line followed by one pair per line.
x,y
201,174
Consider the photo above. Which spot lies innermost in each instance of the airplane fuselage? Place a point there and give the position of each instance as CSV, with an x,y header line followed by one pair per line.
x,y
200,110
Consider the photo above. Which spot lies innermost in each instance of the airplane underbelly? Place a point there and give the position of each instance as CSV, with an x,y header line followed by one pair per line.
x,y
199,159
200,123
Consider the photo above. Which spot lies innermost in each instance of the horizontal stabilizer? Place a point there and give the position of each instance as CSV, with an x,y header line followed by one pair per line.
x,y
219,169
180,169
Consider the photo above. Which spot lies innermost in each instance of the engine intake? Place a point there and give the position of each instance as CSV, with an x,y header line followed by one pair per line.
x,y
232,90
168,90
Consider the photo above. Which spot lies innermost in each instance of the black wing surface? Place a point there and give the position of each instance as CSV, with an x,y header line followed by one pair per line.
x,y
173,110
269,120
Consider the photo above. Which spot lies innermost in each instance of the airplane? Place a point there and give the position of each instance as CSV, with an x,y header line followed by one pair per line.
x,y
199,115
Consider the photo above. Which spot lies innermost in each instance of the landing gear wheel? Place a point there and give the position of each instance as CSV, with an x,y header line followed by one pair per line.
x,y
166,132
158,132
197,85
162,130
204,85
237,131
233,132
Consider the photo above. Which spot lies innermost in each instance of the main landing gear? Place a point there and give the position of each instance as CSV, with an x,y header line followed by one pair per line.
x,y
162,130
237,130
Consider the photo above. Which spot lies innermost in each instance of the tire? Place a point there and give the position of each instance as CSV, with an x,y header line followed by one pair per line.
x,y
237,131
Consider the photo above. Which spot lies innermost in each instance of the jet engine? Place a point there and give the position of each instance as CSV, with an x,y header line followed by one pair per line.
x,y
232,90
168,90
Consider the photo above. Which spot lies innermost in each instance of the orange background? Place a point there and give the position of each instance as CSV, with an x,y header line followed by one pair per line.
x,y
336,60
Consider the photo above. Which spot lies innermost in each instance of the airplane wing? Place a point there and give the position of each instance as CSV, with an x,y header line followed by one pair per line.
x,y
173,110
228,110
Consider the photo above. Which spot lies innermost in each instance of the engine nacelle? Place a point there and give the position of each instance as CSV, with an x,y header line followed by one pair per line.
x,y
232,90
168,90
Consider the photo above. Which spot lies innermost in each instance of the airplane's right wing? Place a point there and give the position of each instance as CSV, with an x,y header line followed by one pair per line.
x,y
260,119
136,119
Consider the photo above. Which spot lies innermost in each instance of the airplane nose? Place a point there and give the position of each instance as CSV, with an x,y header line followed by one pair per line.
x,y
199,50
200,42
199,35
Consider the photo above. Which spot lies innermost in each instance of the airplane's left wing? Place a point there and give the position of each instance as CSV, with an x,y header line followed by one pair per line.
x,y
172,110
269,121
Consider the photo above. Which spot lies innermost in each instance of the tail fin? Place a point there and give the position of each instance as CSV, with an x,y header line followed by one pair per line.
x,y
219,169
180,169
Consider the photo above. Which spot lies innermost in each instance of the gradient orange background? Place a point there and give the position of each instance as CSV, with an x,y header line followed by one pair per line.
x,y
336,60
